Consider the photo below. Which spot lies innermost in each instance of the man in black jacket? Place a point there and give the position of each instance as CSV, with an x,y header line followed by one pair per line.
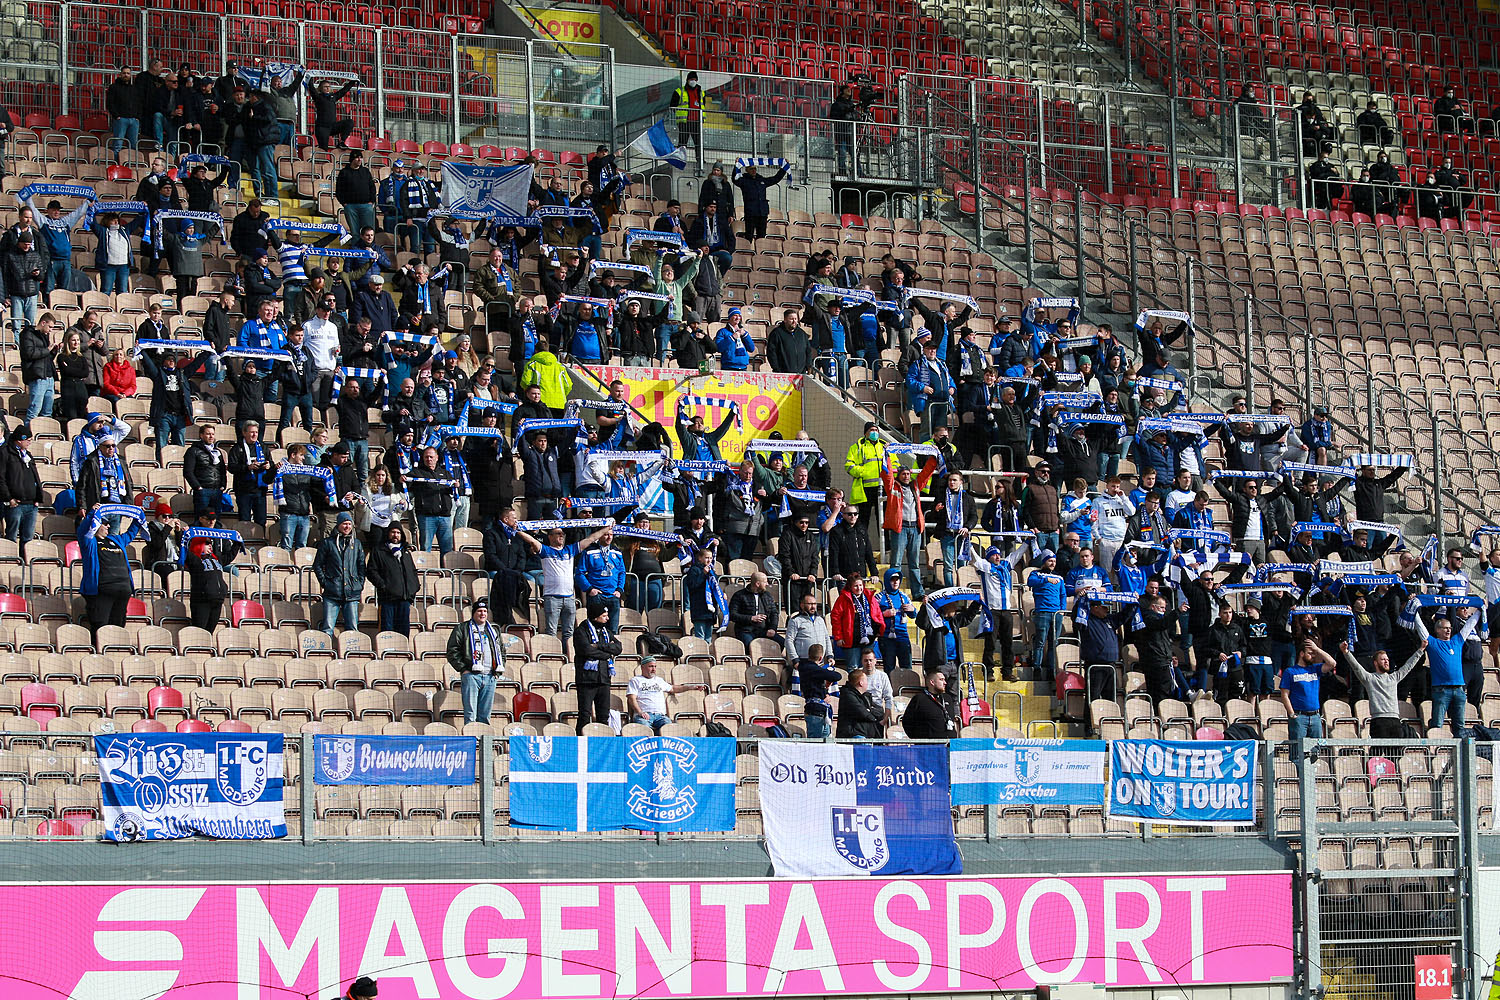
x,y
206,470
849,552
859,716
38,370
507,559
327,125
753,613
1152,635
122,102
391,570
171,399
789,346
926,717
798,553
354,426
221,327
354,188
20,487
345,486
251,466
1247,520
594,652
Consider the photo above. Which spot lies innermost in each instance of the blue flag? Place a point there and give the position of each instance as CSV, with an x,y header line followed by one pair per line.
x,y
850,809
395,760
164,786
1190,782
1048,772
613,783
656,144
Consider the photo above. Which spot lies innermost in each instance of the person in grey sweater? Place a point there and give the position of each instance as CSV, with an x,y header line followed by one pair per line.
x,y
1380,684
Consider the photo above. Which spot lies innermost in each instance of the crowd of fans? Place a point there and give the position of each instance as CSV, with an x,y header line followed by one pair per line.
x,y
1024,434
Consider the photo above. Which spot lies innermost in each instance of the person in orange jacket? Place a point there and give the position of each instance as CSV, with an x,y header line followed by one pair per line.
x,y
857,619
904,522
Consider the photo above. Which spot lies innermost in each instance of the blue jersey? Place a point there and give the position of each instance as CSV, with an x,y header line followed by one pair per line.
x,y
892,602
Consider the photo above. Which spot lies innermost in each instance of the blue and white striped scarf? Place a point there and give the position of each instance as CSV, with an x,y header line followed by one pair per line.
x,y
711,402
1318,470
311,471
364,375
635,236
457,468
1378,461
761,161
530,424
933,293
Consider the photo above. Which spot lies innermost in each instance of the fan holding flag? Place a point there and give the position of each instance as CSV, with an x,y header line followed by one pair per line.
x,y
656,144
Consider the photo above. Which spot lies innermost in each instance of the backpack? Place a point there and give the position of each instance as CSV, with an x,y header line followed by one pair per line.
x,y
1241,731
777,731
718,729
649,643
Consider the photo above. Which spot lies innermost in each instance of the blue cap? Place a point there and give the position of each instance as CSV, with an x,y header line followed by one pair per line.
x,y
399,163
735,311
451,356
1046,554
991,551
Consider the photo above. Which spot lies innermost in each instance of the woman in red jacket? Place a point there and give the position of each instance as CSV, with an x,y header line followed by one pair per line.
x,y
118,377
857,620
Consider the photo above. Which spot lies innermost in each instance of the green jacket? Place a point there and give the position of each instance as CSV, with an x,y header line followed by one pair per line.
x,y
674,287
546,371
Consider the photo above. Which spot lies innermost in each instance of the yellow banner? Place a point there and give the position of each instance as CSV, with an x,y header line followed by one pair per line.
x,y
767,401
564,24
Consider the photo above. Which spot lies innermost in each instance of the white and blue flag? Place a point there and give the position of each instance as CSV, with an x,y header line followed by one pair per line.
x,y
487,191
835,809
395,760
611,783
165,786
1011,772
1183,782
656,144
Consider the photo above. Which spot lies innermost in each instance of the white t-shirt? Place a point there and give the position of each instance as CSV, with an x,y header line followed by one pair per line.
x,y
650,694
1253,531
1179,498
557,570
322,337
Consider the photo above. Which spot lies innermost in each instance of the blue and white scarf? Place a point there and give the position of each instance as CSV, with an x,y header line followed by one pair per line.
x,y
217,534
319,472
354,253
257,353
647,535
530,424
111,478
364,375
761,161
1170,314
30,191
457,468
953,504
933,293
1264,573
609,265
182,346
1318,470
1378,461
711,402
635,236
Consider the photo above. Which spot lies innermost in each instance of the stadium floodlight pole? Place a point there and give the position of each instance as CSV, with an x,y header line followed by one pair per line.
x,y
1305,753
1249,352
1437,483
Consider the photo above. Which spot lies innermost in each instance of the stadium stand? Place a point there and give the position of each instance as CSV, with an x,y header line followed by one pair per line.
x,y
1407,300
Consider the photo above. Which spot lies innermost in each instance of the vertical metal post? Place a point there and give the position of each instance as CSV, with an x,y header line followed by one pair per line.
x,y
300,115
1125,41
1083,23
455,132
976,164
307,799
1466,778
1239,160
1311,876
1370,406
1268,787
755,136
1307,377
903,99
1172,142
224,46
1438,486
1130,249
1078,261
1041,141
1302,200
1109,148
1026,218
1192,330
530,96
614,103
1249,352
486,788
380,82
62,57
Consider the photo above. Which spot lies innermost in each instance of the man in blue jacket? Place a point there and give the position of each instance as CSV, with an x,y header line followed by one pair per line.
x,y
929,388
600,574
1445,658
57,230
734,343
1049,594
104,569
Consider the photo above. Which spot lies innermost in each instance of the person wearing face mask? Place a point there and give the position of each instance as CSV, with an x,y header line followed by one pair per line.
x,y
864,462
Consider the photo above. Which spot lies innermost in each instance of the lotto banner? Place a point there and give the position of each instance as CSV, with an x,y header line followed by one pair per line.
x,y
767,401
653,939
563,24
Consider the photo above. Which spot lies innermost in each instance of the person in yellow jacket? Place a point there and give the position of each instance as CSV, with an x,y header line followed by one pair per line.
x,y
687,101
548,374
865,463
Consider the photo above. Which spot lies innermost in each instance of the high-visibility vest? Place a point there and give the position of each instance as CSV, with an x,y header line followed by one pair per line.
x,y
688,103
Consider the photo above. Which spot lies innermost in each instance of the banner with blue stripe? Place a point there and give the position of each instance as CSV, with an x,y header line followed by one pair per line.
x,y
1188,783
1006,772
395,760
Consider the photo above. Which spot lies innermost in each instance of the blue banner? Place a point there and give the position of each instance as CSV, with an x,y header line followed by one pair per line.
x,y
833,809
612,783
1187,783
395,760
166,786
1007,772
489,191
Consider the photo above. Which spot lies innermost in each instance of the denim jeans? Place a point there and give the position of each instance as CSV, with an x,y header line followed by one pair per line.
x,y
1048,625
359,457
59,275
252,506
39,398
126,132
704,630
1302,727
664,339
23,307
114,278
332,610
950,545
478,694
302,401
644,595
817,727
395,616
654,721
1049,540
161,128
288,136
294,528
439,527
1449,701
20,523
359,216
895,652
208,500
263,172
171,428
558,613
908,558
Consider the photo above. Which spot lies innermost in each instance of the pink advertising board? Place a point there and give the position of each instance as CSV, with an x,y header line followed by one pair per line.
x,y
581,941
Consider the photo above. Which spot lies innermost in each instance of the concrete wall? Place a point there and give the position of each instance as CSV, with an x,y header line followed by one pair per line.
x,y
828,419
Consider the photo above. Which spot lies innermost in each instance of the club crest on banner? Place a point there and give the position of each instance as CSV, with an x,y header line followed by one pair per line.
x,y
669,798
1166,798
539,748
243,770
1029,765
338,758
859,836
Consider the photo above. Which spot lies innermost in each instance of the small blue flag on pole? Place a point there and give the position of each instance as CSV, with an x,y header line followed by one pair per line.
x,y
656,144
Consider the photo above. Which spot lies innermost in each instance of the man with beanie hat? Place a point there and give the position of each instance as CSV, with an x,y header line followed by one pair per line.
x,y
363,988
340,568
594,652
476,650
20,487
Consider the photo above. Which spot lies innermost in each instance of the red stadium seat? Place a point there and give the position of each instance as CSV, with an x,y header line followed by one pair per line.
x,y
194,726
159,698
235,726
252,612
40,702
148,726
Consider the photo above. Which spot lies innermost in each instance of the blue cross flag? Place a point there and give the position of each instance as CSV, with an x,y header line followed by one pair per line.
x,y
613,783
